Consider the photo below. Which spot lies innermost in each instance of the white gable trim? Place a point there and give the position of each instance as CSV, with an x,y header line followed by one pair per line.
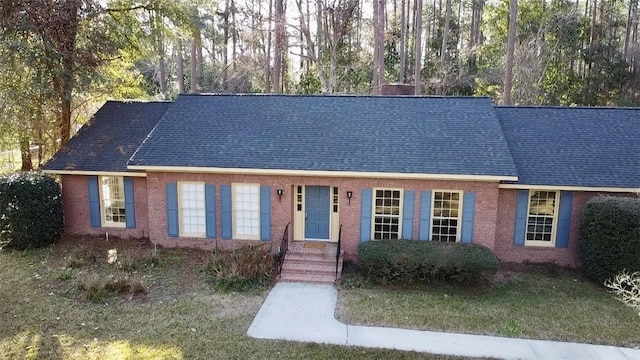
x,y
324,173
569,188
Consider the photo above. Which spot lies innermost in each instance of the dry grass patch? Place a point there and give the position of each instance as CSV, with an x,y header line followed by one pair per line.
x,y
44,315
532,302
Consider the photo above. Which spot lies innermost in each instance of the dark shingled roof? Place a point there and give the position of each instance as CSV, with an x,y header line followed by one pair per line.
x,y
107,141
597,147
428,135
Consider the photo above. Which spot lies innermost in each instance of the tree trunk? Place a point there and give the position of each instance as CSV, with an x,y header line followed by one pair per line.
x,y
443,50
194,68
403,44
267,65
511,41
418,65
225,47
25,154
379,21
180,65
279,44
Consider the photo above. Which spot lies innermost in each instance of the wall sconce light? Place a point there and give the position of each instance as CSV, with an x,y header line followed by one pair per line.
x,y
349,195
280,192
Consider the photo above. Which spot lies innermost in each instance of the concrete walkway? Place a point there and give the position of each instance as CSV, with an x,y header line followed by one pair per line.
x,y
305,312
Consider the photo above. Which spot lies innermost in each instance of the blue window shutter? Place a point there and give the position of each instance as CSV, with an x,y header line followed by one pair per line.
x,y
210,209
407,214
265,213
225,204
129,203
564,219
94,201
468,212
365,215
425,215
522,206
172,209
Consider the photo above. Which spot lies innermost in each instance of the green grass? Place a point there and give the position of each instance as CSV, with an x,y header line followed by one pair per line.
x,y
45,315
530,302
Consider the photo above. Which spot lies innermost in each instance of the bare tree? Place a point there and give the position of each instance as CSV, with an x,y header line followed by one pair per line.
x,y
180,65
378,57
279,47
508,70
418,66
443,50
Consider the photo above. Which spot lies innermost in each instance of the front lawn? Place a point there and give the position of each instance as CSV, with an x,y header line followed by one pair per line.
x,y
539,302
45,315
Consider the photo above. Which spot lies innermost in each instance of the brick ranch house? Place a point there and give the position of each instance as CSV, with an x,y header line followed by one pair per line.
x,y
221,170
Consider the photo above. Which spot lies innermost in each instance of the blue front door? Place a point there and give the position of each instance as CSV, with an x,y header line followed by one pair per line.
x,y
317,208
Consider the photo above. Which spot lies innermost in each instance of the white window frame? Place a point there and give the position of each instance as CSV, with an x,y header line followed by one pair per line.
x,y
458,218
234,208
554,225
103,207
373,211
181,212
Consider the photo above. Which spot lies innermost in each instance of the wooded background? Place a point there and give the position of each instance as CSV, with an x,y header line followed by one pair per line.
x,y
62,58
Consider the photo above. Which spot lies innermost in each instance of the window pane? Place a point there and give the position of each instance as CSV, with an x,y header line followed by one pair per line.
x,y
247,210
387,211
541,215
446,212
192,208
112,201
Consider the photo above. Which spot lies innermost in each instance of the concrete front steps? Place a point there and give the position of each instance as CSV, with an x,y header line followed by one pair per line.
x,y
314,262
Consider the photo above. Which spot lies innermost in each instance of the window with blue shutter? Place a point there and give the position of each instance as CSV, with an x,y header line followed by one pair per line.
x,y
225,205
564,219
172,209
265,213
365,215
210,210
425,215
129,203
407,214
468,213
94,201
522,206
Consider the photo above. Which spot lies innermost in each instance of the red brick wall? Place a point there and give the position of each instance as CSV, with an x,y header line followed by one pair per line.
x,y
506,251
75,197
281,212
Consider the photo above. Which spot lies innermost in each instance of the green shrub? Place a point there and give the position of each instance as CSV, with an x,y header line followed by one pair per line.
x,y
30,210
242,269
610,237
410,262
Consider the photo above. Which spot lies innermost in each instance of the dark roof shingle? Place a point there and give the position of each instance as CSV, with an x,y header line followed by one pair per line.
x,y
423,135
109,139
591,147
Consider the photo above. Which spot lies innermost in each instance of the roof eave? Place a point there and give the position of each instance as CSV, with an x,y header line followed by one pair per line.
x,y
571,188
323,173
96,173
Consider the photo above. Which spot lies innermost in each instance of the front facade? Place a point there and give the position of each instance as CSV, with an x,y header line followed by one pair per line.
x,y
242,169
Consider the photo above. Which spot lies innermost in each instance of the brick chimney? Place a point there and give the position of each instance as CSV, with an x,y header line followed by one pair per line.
x,y
397,89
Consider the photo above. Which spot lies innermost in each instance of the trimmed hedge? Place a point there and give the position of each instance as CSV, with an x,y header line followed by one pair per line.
x,y
610,237
30,210
411,262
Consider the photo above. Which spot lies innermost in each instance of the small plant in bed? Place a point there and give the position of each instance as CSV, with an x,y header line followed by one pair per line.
x,y
404,262
243,269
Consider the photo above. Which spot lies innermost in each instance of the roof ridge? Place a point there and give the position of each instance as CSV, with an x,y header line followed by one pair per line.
x,y
559,107
334,95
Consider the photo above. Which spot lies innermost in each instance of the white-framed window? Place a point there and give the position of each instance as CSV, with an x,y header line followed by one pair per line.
x,y
445,215
387,214
246,211
112,209
191,209
542,218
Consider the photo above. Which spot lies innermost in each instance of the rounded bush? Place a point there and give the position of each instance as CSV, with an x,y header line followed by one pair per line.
x,y
408,262
610,237
30,210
